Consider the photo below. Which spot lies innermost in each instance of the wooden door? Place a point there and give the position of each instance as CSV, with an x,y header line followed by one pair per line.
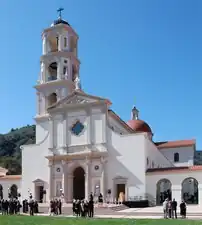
x,y
120,188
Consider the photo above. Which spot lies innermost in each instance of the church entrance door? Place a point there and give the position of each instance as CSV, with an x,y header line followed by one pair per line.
x,y
79,183
120,193
39,192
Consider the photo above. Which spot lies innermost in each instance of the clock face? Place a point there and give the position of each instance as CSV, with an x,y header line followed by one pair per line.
x,y
77,128
58,169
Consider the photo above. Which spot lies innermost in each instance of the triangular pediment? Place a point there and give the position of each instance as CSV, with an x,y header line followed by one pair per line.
x,y
38,181
78,97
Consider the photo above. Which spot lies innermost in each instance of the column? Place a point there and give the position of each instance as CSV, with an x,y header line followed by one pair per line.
x,y
41,78
44,44
69,188
200,195
64,180
51,181
87,179
102,181
51,142
59,69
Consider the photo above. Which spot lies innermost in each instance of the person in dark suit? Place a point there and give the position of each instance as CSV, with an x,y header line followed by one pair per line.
x,y
91,206
174,209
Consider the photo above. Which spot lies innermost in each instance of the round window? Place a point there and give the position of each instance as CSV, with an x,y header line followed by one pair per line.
x,y
58,169
96,167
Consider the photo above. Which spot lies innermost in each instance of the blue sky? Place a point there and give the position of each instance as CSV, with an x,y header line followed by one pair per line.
x,y
147,53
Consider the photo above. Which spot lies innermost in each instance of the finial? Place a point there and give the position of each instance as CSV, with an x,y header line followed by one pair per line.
x,y
60,12
135,113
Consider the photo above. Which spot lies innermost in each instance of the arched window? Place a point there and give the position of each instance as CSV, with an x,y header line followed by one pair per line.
x,y
189,191
14,191
163,191
1,192
176,157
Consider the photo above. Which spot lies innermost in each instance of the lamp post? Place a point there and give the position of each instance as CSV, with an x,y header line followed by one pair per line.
x,y
8,192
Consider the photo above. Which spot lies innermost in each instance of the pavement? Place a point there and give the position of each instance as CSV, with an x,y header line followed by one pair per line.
x,y
111,211
121,216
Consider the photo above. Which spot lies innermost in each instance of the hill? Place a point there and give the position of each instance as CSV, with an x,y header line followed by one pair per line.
x,y
10,152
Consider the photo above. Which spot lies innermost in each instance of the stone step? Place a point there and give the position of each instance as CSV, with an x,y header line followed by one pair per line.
x,y
119,207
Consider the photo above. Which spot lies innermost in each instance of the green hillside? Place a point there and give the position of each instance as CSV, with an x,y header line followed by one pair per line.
x,y
10,152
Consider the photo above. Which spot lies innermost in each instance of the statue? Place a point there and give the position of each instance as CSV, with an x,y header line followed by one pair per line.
x,y
77,83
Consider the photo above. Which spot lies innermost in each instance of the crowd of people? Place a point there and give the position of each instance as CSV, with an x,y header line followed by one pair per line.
x,y
10,207
30,206
55,207
170,209
80,208
83,208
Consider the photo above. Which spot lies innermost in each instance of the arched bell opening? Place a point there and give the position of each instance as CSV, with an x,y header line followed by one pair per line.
x,y
53,43
52,71
52,99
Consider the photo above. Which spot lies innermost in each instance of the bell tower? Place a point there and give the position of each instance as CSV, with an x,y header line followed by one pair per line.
x,y
59,75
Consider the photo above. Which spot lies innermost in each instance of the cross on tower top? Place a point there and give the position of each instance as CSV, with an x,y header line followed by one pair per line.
x,y
60,12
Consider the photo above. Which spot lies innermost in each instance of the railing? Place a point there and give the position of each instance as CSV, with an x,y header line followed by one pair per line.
x,y
51,78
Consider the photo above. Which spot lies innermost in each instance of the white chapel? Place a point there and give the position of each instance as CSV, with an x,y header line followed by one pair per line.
x,y
83,146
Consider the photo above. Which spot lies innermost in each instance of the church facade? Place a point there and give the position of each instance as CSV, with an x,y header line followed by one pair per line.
x,y
83,146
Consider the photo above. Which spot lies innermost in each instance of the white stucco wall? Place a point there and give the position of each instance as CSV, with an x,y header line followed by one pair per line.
x,y
34,166
176,179
186,155
154,157
7,183
127,159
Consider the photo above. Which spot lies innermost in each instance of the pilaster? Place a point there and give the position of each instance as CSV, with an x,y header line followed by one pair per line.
x,y
38,103
51,180
103,179
87,162
51,141
69,187
60,42
90,127
65,126
64,181
176,193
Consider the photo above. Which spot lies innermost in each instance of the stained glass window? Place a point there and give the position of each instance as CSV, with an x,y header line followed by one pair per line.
x,y
77,128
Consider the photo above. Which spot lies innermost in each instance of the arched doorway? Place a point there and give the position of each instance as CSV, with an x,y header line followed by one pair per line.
x,y
163,191
79,183
190,190
14,191
1,192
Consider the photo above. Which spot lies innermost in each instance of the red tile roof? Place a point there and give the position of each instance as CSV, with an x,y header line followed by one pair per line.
x,y
175,144
10,177
175,169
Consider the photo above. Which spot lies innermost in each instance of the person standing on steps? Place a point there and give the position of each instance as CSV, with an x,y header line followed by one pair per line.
x,y
174,209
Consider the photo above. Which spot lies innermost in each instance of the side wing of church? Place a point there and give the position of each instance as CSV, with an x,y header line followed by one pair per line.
x,y
83,146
